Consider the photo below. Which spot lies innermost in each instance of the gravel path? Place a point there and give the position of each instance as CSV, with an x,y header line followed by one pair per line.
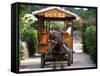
x,y
81,60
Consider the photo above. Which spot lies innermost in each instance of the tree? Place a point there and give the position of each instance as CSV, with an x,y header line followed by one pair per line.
x,y
26,31
88,15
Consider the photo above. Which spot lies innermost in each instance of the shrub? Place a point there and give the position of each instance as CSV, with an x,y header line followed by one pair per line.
x,y
89,42
28,33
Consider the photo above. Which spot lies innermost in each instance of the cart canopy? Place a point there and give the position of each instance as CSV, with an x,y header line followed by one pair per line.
x,y
55,12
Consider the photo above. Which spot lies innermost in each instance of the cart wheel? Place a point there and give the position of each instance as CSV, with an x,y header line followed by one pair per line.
x,y
42,60
69,59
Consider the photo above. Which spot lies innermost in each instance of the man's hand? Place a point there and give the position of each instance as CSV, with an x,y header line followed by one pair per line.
x,y
53,41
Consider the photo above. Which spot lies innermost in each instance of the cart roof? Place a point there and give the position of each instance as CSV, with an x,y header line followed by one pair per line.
x,y
54,12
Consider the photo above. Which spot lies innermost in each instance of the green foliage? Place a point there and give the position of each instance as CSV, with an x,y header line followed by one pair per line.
x,y
84,13
59,24
26,31
87,15
29,34
33,42
89,41
88,30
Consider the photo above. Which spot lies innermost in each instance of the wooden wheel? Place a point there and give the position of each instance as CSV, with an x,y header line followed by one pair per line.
x,y
42,60
69,58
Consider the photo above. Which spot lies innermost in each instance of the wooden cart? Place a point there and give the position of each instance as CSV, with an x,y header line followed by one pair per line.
x,y
44,17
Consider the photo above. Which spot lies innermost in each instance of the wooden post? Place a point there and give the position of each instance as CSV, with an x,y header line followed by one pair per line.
x,y
64,25
49,24
46,25
41,22
72,41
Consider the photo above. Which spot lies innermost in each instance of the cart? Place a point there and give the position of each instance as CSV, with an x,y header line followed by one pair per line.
x,y
45,16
